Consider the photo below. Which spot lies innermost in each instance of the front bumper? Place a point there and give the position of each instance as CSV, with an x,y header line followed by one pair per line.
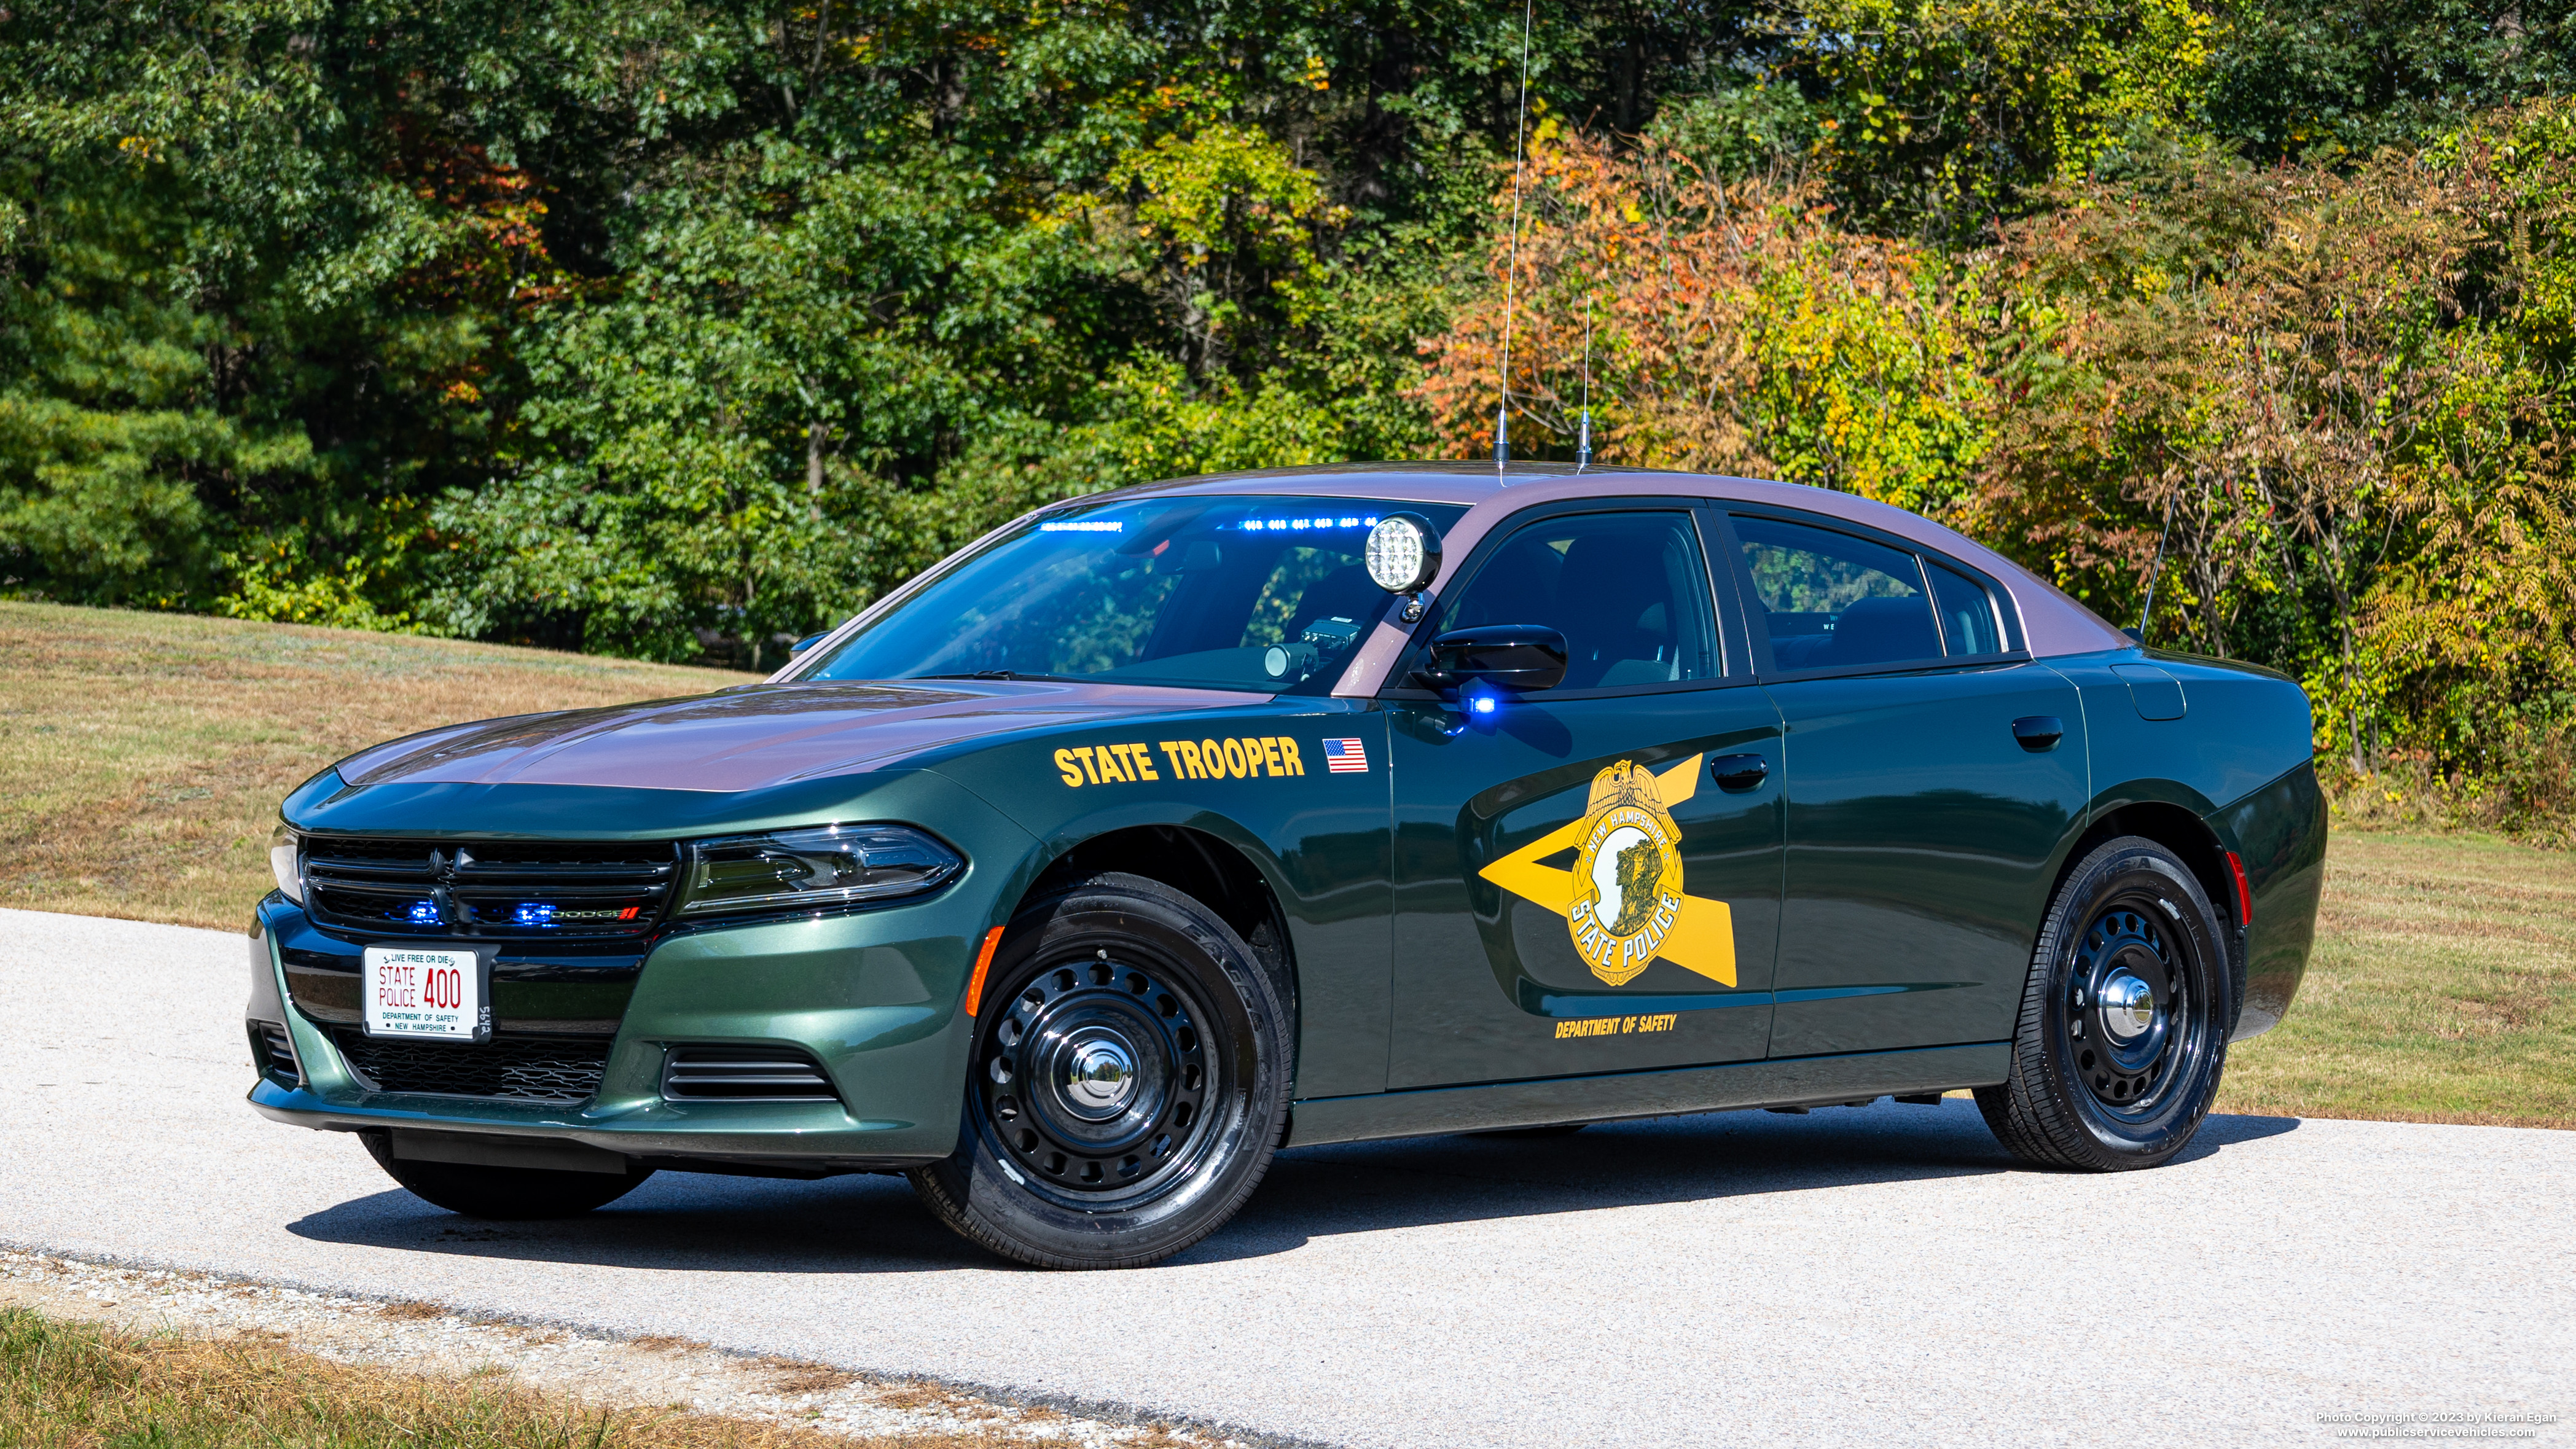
x,y
874,997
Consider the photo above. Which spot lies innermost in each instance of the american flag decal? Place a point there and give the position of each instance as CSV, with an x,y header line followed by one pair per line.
x,y
1345,757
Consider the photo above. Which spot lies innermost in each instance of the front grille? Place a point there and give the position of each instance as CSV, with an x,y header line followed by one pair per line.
x,y
521,1068
272,1051
515,889
743,1074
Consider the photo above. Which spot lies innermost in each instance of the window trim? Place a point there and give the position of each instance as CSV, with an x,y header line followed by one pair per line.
x,y
1766,667
1735,665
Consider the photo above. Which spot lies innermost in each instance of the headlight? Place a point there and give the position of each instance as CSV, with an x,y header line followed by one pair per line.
x,y
828,865
282,846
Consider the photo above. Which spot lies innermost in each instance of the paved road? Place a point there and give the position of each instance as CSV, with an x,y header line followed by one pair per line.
x,y
1881,1275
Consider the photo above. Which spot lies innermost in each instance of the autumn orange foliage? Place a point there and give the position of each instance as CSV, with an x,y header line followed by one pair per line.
x,y
1731,327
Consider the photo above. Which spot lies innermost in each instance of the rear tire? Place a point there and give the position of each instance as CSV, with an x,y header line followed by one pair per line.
x,y
503,1194
1126,1087
2122,1037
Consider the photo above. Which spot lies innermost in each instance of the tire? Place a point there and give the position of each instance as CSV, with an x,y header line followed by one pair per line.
x,y
2122,1036
503,1194
1062,1160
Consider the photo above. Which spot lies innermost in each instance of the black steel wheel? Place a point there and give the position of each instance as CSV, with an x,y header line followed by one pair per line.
x,y
2123,1031
1095,1078
503,1194
1126,1086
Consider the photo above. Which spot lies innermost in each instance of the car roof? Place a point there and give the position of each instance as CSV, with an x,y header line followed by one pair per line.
x,y
2052,622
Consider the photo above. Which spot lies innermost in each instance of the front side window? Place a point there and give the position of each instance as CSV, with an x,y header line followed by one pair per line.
x,y
1832,601
1259,594
1629,591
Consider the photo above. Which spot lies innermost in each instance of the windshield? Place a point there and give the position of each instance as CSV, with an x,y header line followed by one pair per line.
x,y
1259,594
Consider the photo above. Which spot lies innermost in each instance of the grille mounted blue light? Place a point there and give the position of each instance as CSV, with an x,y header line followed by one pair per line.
x,y
423,913
533,913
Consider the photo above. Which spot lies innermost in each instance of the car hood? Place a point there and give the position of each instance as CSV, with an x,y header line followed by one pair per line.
x,y
755,736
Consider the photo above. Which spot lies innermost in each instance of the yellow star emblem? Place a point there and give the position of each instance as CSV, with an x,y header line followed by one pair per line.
x,y
1623,903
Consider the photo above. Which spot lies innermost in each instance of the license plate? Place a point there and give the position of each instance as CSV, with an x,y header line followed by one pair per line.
x,y
425,994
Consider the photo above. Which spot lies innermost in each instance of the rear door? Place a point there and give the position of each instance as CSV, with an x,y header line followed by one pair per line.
x,y
1575,889
1924,820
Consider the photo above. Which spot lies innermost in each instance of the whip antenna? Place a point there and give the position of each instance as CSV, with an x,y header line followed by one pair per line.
x,y
1511,273
1583,440
2147,615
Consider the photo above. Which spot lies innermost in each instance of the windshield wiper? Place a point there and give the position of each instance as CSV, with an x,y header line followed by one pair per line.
x,y
994,674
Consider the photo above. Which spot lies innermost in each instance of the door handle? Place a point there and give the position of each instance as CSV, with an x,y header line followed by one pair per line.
x,y
1739,772
2039,733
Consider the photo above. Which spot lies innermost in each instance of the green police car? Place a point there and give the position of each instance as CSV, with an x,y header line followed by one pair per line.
x,y
1164,828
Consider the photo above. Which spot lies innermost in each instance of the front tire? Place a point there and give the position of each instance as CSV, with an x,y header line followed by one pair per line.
x,y
503,1194
2122,1037
1127,1085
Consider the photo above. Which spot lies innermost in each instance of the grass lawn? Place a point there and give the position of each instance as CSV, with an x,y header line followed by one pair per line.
x,y
142,757
80,1386
2443,989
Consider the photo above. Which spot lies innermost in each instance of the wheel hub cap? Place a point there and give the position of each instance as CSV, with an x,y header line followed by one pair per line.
x,y
1099,1075
2128,1006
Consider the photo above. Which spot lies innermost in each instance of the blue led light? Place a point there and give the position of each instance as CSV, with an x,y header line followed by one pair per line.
x,y
1481,703
422,913
1302,525
1083,525
533,913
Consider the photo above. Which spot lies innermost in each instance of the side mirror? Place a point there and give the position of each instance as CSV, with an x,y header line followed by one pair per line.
x,y
1507,656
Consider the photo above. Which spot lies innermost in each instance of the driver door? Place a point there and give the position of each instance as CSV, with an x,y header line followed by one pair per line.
x,y
1576,889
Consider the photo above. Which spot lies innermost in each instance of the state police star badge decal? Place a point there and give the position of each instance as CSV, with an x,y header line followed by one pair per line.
x,y
1623,902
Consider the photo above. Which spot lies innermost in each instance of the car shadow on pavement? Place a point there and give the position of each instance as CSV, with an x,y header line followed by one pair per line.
x,y
1375,1186
695,1222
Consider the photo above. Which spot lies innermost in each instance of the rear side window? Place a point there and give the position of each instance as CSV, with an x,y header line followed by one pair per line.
x,y
1628,590
1968,618
1832,601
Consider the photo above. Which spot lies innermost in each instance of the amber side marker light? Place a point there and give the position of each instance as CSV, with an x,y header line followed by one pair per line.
x,y
2235,867
993,938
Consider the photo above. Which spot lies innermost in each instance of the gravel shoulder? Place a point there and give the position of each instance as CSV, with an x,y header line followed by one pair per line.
x,y
652,1372
1881,1275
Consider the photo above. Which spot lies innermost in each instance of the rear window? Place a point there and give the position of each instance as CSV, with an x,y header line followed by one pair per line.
x,y
1969,622
1832,601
